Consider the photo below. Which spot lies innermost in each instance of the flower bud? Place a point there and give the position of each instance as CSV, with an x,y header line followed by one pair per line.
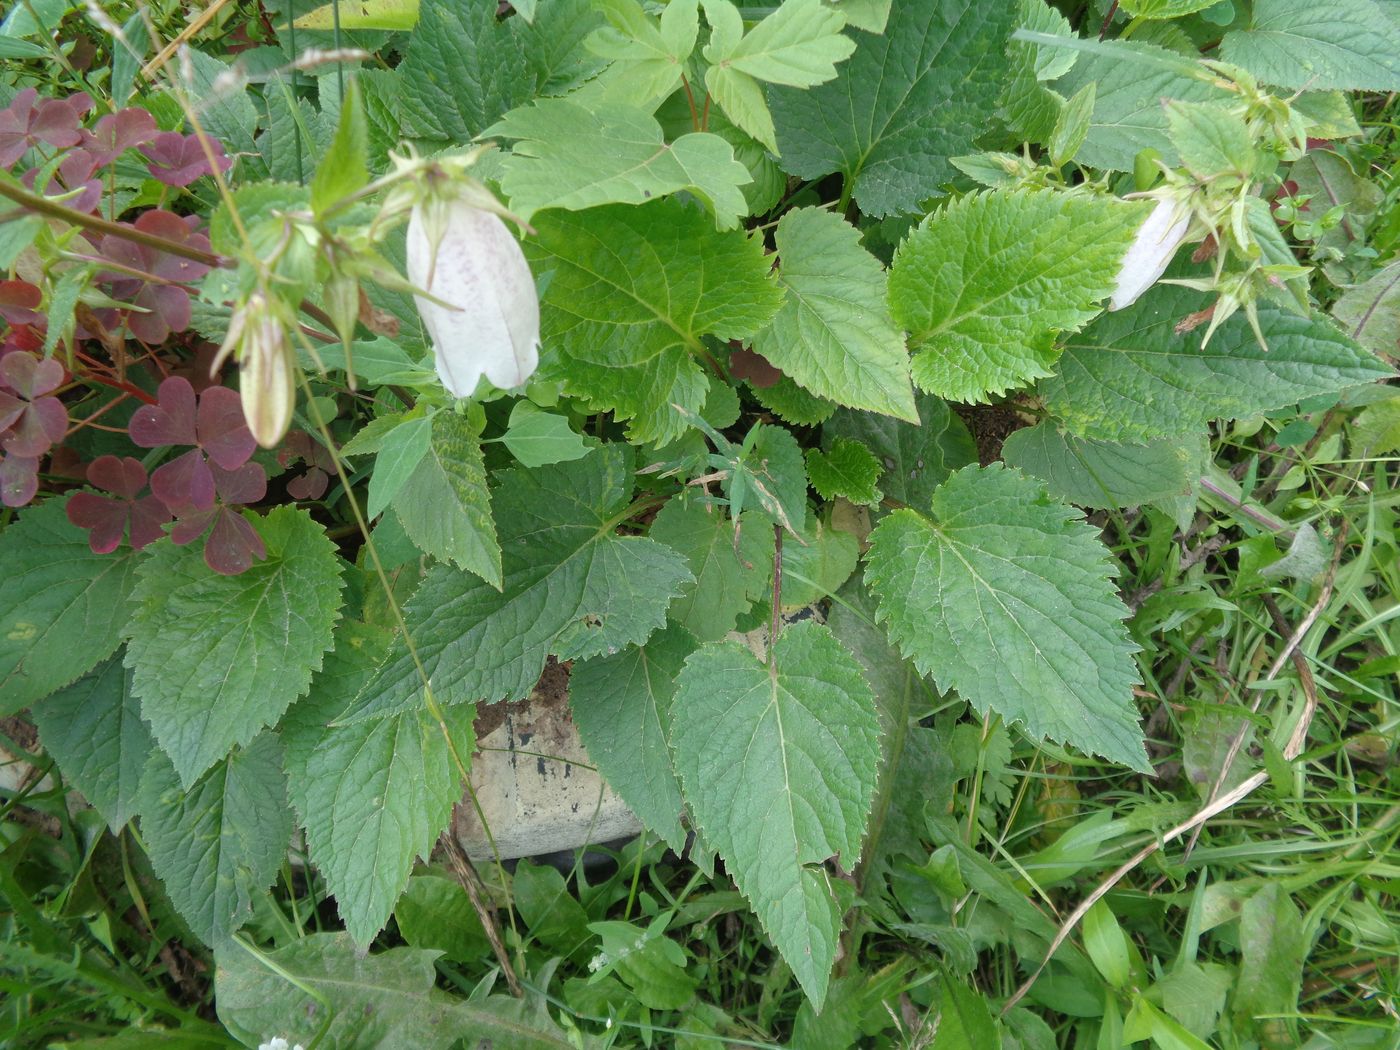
x,y
484,314
266,368
1151,251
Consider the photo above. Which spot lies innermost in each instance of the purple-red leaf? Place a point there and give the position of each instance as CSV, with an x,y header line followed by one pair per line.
x,y
184,483
19,480
34,422
41,425
118,132
107,517
222,431
104,518
311,485
177,160
28,120
124,477
170,421
18,301
233,545
247,484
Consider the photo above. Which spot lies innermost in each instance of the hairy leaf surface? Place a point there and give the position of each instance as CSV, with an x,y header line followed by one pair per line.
x,y
444,504
1094,473
834,334
1006,595
373,795
1347,44
778,763
984,285
1131,377
94,731
247,644
622,707
631,292
56,590
218,843
728,577
572,586
901,105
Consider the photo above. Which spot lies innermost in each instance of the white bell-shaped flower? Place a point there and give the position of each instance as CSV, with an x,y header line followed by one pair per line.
x,y
1151,252
491,325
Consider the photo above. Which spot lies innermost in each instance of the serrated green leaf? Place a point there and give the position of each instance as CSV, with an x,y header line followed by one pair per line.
x,y
1094,473
93,730
1072,126
774,477
56,591
385,1001
792,404
444,504
463,70
834,334
373,795
250,642
1370,312
984,286
572,586
916,459
537,438
1029,108
778,764
648,57
622,707
1130,377
631,293
1160,9
226,114
901,105
398,454
1006,595
798,45
344,168
217,844
1130,80
556,162
818,566
1209,139
727,579
1352,45
870,15
848,469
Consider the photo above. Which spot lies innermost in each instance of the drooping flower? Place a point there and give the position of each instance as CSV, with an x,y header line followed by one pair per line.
x,y
1151,251
267,370
484,314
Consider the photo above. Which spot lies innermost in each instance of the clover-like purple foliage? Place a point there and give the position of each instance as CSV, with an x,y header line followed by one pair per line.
x,y
29,120
30,420
18,302
213,423
118,132
233,544
164,306
203,486
177,160
311,484
108,517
